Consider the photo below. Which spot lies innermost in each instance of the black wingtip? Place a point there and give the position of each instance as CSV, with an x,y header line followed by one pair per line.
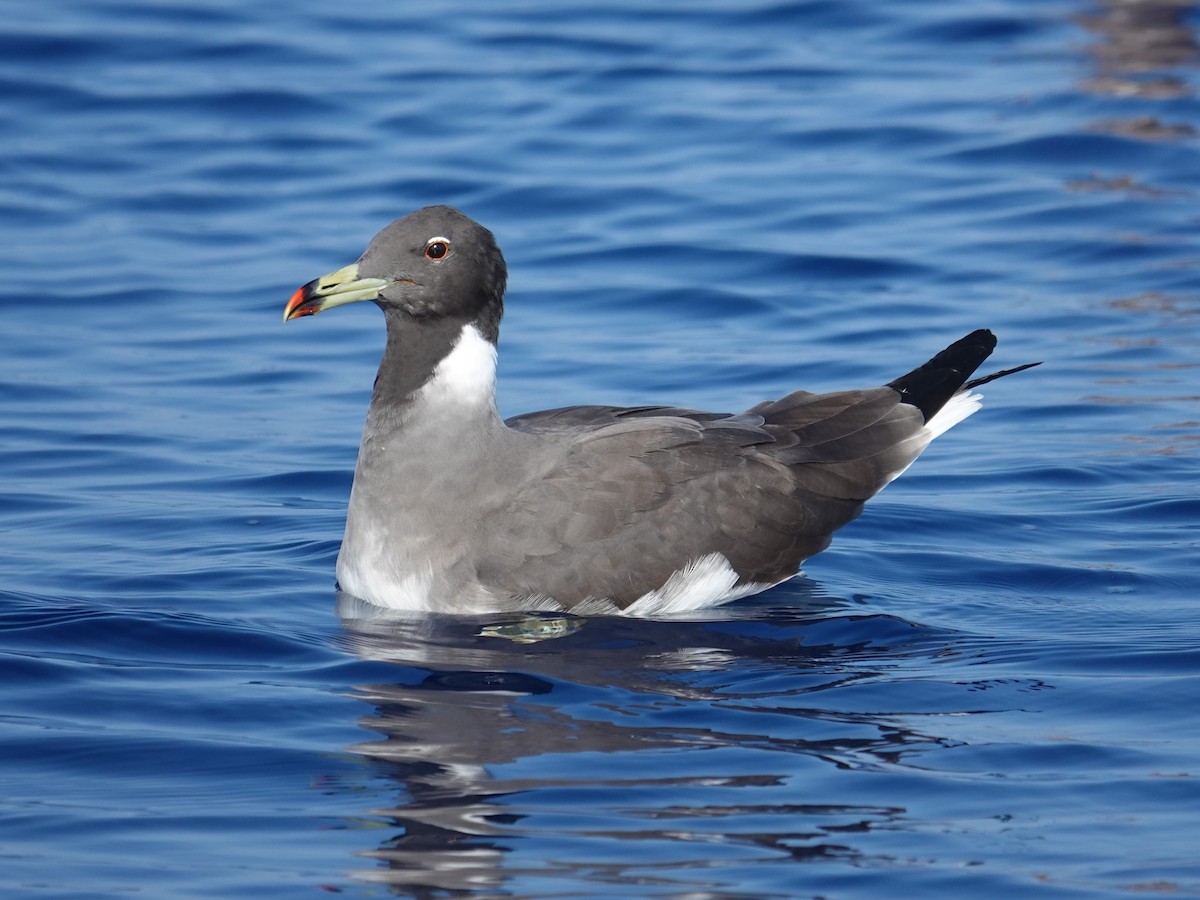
x,y
929,386
974,383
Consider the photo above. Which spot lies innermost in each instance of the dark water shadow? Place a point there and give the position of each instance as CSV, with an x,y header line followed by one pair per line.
x,y
486,711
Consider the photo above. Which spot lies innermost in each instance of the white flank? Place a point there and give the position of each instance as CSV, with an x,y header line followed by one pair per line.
x,y
702,583
467,376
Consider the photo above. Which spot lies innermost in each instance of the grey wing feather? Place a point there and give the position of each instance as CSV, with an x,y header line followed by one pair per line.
x,y
633,493
590,418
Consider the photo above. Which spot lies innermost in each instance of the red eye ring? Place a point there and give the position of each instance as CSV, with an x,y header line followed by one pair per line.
x,y
437,248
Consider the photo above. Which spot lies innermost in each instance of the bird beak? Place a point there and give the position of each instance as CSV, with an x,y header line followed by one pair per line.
x,y
335,289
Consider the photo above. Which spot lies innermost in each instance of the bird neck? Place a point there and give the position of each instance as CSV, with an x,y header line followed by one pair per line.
x,y
440,370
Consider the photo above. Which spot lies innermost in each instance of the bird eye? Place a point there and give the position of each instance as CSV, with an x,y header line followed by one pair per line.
x,y
437,248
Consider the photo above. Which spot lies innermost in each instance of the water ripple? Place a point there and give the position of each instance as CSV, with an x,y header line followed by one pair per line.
x,y
982,689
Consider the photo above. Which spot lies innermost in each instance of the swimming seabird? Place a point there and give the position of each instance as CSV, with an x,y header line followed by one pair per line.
x,y
647,510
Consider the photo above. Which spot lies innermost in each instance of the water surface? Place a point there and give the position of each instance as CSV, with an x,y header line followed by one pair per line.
x,y
987,687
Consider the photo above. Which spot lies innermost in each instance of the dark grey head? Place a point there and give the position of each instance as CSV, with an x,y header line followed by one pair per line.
x,y
434,263
438,262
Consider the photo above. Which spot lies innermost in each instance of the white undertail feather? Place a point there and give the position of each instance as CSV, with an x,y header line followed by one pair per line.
x,y
956,409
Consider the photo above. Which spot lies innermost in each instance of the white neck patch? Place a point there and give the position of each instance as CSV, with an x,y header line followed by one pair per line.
x,y
467,376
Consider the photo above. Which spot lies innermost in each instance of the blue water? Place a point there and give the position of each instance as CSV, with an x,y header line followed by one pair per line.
x,y
988,687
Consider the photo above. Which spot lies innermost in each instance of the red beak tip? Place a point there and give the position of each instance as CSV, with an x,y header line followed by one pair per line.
x,y
294,308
